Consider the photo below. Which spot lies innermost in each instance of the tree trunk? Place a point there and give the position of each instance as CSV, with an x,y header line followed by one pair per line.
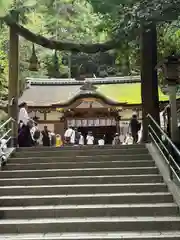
x,y
149,79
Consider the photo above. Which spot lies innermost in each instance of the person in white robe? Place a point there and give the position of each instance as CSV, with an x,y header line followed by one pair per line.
x,y
101,142
3,153
69,136
140,134
163,120
90,139
23,116
25,124
81,139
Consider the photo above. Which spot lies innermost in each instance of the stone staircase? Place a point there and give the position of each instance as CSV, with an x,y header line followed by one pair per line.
x,y
86,193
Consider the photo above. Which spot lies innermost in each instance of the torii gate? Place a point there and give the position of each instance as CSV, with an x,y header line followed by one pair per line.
x,y
149,80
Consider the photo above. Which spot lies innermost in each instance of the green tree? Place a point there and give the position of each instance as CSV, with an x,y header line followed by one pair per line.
x,y
82,26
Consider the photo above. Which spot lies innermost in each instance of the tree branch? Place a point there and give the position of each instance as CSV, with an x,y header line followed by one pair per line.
x,y
59,45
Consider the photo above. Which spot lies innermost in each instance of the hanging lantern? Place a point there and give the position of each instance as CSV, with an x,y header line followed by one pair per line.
x,y
33,62
55,70
170,67
65,60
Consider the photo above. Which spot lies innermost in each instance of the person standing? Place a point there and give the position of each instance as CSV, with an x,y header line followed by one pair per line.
x,y
135,126
45,137
140,134
90,139
24,126
77,137
116,140
101,141
81,139
53,139
59,142
3,151
69,136
35,134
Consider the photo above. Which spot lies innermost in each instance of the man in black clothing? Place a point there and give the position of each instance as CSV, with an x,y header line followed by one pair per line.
x,y
77,136
135,126
45,137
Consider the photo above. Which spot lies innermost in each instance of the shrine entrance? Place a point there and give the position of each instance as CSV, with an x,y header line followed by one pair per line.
x,y
99,132
101,127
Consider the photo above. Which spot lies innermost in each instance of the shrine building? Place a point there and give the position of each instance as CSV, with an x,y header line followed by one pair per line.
x,y
100,105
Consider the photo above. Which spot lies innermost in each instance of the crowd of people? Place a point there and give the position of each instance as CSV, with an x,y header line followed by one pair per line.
x,y
29,135
133,136
73,137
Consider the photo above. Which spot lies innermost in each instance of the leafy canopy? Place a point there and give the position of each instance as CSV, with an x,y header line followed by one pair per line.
x,y
128,17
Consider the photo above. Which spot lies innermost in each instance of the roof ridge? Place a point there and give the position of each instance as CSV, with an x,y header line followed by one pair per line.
x,y
72,81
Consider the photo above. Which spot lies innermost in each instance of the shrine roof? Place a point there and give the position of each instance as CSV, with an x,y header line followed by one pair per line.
x,y
114,91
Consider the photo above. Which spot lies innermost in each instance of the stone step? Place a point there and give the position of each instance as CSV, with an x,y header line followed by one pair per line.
x,y
67,165
64,211
86,193
79,152
103,179
85,147
82,189
85,199
164,235
103,157
110,224
78,172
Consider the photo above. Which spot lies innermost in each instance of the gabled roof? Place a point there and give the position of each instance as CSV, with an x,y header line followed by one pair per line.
x,y
115,91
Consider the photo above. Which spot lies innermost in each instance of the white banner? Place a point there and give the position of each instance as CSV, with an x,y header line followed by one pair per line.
x,y
99,122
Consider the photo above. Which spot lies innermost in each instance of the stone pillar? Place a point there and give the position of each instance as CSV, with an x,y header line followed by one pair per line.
x,y
149,79
13,84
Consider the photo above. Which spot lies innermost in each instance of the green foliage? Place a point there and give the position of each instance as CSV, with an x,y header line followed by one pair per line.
x,y
60,19
3,65
5,6
88,21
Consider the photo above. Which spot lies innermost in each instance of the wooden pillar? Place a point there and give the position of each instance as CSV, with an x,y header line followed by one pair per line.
x,y
45,115
13,84
118,118
149,79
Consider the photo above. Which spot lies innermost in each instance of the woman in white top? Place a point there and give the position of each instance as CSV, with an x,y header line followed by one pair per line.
x,y
101,142
90,139
69,136
24,135
140,133
81,139
3,151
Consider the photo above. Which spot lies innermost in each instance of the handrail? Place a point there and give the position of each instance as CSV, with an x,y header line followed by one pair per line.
x,y
7,121
8,135
165,145
164,134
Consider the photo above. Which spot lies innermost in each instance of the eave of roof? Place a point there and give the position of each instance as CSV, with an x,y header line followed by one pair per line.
x,y
86,95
